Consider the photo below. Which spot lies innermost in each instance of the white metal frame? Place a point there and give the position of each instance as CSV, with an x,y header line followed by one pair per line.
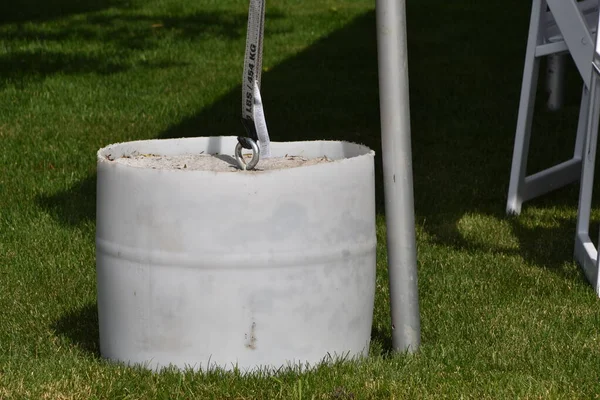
x,y
556,27
586,253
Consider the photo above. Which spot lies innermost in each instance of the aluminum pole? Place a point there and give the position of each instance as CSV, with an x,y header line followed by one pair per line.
x,y
397,174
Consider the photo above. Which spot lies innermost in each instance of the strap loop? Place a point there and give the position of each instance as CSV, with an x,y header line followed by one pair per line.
x,y
250,128
253,117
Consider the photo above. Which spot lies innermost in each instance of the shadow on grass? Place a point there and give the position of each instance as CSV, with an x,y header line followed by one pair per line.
x,y
125,30
329,91
42,63
44,10
100,42
74,206
464,98
80,327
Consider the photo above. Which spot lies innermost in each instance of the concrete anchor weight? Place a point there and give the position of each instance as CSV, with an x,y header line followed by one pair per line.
x,y
251,269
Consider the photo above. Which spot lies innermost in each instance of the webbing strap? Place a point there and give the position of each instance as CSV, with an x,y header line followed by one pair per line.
x,y
253,117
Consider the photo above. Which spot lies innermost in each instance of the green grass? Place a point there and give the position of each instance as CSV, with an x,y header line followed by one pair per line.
x,y
505,312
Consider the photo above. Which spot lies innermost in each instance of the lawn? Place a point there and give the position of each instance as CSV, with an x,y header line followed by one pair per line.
x,y
505,312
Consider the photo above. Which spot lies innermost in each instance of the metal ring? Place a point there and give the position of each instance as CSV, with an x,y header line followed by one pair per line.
x,y
240,158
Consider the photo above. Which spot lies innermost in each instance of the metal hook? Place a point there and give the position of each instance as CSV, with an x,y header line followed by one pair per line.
x,y
240,158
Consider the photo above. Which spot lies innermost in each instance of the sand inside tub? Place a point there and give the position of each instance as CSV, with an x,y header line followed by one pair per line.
x,y
216,162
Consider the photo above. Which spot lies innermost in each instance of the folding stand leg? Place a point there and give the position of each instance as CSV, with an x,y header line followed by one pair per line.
x,y
571,19
586,252
526,105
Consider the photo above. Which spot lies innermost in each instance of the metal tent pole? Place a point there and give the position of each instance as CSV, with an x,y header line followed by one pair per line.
x,y
397,173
